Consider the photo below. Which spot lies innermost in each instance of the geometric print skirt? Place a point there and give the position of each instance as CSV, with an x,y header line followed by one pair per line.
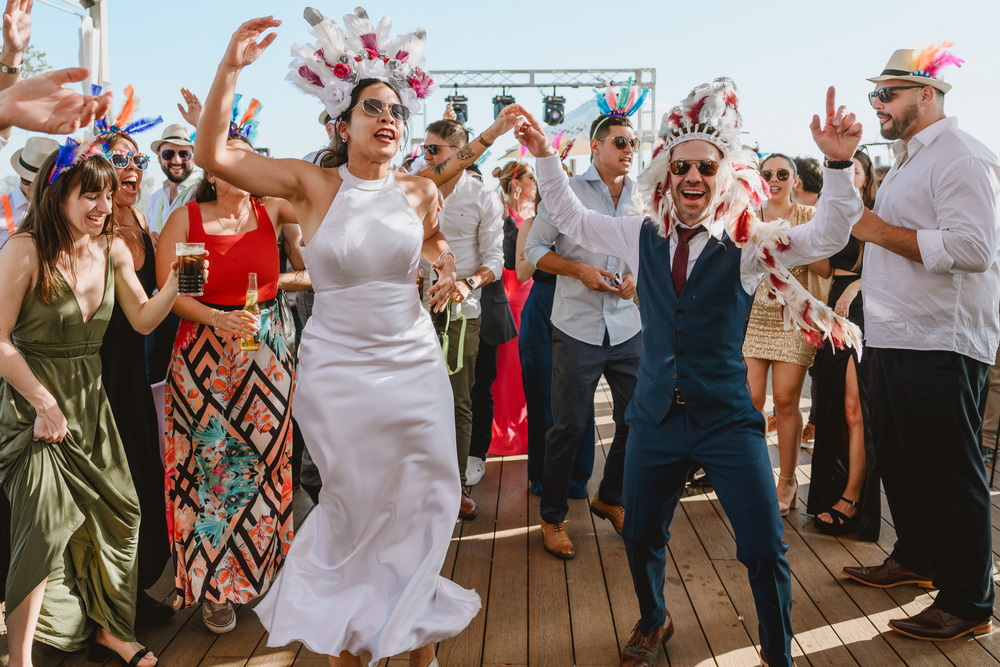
x,y
228,444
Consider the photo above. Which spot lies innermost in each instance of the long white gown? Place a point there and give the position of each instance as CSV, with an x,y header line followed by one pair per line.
x,y
375,407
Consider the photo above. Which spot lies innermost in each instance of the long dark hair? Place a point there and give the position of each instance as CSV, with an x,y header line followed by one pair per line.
x,y
868,191
205,190
47,224
335,154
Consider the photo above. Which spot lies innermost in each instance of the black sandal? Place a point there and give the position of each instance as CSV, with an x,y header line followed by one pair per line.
x,y
98,652
841,522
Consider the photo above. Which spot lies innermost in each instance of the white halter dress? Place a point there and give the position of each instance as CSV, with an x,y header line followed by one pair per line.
x,y
375,407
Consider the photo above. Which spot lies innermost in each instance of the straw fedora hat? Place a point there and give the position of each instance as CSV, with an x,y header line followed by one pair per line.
x,y
28,160
173,134
900,66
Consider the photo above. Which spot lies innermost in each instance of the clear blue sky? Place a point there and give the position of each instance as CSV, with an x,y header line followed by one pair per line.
x,y
781,54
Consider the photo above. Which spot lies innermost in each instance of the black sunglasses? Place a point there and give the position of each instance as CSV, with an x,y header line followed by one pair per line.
x,y
374,107
705,167
883,95
121,160
781,174
167,154
434,149
621,143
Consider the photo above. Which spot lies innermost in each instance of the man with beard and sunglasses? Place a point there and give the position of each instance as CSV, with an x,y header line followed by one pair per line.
x,y
595,332
175,152
691,403
935,231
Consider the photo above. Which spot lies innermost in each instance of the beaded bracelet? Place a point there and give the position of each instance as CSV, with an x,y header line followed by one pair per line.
x,y
446,252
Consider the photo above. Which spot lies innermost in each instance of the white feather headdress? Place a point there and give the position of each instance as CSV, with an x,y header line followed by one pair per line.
x,y
332,66
711,113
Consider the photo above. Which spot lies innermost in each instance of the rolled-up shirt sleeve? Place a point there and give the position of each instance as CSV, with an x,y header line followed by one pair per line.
x,y
597,232
491,235
830,228
965,207
541,237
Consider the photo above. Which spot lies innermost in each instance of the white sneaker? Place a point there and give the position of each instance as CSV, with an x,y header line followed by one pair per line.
x,y
474,470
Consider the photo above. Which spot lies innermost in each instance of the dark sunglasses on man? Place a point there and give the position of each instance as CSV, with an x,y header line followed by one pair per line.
x,y
374,107
883,95
621,143
167,154
120,160
434,149
780,174
705,167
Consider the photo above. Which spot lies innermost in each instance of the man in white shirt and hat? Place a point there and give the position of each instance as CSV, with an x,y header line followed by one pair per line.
x,y
175,151
26,163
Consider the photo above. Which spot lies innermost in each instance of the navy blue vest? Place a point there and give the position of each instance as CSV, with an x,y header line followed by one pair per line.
x,y
692,342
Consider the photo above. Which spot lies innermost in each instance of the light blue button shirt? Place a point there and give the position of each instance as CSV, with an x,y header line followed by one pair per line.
x,y
577,311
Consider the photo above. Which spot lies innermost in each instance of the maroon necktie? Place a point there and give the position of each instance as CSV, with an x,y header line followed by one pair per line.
x,y
678,268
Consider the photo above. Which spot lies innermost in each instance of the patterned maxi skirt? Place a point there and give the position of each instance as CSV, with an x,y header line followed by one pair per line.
x,y
228,444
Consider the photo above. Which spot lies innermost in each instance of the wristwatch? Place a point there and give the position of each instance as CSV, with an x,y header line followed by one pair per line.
x,y
471,282
7,69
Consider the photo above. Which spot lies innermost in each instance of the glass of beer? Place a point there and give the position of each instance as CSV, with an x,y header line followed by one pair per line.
x,y
190,269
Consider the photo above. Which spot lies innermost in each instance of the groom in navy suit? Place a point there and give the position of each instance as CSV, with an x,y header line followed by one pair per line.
x,y
695,287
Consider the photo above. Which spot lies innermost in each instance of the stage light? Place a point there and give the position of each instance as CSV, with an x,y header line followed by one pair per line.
x,y
459,104
501,101
555,110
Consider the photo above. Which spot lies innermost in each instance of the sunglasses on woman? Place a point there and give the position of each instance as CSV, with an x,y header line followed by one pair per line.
x,y
781,174
883,95
120,160
705,167
621,143
374,107
167,154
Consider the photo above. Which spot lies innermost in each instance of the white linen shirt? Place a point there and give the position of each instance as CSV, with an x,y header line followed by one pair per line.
x,y
945,185
472,222
828,231
159,208
578,312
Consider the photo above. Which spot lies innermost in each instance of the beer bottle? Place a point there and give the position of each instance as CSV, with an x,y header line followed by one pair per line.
x,y
252,344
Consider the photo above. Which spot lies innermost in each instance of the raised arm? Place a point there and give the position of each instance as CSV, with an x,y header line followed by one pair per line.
x,y
143,313
41,104
16,35
467,155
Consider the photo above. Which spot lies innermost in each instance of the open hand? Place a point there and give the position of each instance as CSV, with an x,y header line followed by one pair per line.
x,y
442,291
504,123
840,134
16,28
529,133
41,104
244,48
192,113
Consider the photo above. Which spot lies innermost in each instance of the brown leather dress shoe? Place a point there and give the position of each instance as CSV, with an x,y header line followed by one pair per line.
x,y
937,625
642,650
556,540
467,510
613,513
888,574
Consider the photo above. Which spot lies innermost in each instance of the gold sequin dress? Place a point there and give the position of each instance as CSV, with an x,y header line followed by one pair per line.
x,y
766,336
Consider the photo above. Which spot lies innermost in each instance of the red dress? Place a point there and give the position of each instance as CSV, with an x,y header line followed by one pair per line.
x,y
510,413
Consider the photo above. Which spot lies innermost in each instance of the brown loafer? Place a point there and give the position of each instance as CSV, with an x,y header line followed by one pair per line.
x,y
888,574
937,625
642,650
467,510
613,513
556,540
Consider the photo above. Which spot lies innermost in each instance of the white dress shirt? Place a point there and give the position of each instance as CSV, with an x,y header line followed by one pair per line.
x,y
945,185
18,205
579,312
160,207
828,231
472,222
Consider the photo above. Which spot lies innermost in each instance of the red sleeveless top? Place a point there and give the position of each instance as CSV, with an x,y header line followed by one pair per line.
x,y
232,256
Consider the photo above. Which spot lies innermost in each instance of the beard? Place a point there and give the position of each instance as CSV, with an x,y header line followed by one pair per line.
x,y
900,124
178,178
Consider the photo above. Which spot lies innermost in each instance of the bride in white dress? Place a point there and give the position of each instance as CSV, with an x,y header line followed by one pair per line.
x,y
362,577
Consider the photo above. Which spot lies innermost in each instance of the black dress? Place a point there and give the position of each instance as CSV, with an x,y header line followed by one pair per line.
x,y
830,448
131,399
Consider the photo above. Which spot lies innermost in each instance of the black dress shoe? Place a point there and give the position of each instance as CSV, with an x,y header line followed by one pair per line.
x,y
888,574
151,612
937,625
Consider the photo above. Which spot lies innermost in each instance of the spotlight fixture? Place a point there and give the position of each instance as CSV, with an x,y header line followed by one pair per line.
x,y
555,109
501,101
459,104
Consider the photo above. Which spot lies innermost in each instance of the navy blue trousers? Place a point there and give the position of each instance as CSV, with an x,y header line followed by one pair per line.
x,y
577,367
734,454
926,413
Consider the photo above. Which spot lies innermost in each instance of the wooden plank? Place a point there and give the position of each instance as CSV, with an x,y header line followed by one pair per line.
x,y
550,641
594,640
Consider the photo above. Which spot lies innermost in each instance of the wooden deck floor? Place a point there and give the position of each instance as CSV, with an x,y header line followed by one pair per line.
x,y
542,612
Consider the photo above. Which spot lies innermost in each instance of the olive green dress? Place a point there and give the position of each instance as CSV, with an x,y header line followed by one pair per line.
x,y
75,516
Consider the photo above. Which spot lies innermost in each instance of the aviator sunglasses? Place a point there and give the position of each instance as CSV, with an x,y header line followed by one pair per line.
x,y
374,107
705,167
780,174
621,143
167,154
120,159
883,95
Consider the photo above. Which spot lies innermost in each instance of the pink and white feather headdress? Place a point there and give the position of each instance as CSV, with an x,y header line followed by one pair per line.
x,y
711,113
332,66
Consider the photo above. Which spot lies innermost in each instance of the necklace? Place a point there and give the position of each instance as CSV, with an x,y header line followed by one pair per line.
x,y
239,223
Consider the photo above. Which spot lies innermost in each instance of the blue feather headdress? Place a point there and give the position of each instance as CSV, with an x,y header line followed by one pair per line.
x,y
124,122
246,125
73,152
621,104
